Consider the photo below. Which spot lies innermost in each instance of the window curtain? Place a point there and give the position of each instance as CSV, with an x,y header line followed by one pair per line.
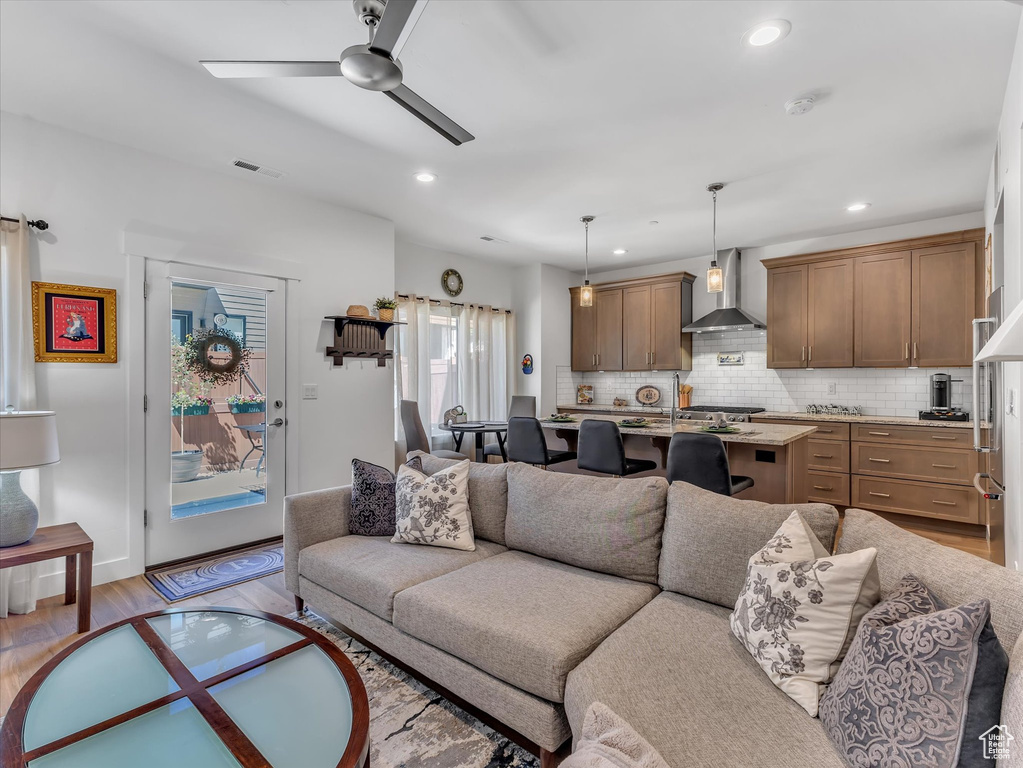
x,y
483,362
19,586
411,369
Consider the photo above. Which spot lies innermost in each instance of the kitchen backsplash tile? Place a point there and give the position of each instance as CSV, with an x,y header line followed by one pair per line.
x,y
880,391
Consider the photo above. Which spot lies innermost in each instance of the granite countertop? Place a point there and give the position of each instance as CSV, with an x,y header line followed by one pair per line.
x,y
760,434
616,408
862,419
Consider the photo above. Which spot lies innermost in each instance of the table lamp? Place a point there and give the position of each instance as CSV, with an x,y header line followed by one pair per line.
x,y
28,439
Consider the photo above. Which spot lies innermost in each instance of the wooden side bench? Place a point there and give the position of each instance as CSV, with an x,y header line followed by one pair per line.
x,y
70,542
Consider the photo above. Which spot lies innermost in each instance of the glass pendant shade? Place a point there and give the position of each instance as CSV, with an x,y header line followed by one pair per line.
x,y
715,279
586,295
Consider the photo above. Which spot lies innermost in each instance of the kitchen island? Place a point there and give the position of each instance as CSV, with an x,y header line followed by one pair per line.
x,y
774,455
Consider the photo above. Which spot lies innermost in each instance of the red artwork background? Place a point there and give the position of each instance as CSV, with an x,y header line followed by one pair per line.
x,y
62,310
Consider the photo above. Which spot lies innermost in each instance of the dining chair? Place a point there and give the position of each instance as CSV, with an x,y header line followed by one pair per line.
x,y
601,450
416,438
526,443
521,405
701,460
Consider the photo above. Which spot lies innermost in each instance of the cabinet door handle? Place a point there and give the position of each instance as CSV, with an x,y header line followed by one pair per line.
x,y
822,431
915,355
943,437
882,495
824,456
802,355
880,434
944,466
907,350
945,503
823,488
594,356
879,461
651,358
810,358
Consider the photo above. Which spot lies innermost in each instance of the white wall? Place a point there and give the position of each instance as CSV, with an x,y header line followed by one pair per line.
x,y
1004,184
418,268
527,298
90,192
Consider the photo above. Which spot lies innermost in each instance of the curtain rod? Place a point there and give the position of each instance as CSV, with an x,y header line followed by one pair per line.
x,y
39,224
454,303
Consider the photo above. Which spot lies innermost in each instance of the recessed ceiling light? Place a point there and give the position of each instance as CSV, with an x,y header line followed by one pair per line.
x,y
766,32
619,251
857,207
426,177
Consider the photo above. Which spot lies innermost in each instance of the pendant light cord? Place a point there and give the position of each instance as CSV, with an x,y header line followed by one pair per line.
x,y
587,252
714,230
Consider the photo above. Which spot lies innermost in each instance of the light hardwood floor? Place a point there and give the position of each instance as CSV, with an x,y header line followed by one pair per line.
x,y
28,641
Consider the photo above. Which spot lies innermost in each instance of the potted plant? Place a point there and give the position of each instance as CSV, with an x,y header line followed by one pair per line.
x,y
190,398
247,403
385,308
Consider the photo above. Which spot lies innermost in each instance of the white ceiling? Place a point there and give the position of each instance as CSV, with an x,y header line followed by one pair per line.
x,y
621,109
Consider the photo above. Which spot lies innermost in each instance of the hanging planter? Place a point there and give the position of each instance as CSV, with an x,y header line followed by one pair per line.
x,y
247,403
183,404
215,371
191,410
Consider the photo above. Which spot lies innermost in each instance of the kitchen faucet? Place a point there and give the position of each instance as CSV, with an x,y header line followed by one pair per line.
x,y
676,388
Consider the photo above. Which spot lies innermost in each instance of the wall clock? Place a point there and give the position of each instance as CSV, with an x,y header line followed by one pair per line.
x,y
452,282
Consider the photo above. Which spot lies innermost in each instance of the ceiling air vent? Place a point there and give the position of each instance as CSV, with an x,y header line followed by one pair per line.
x,y
263,170
491,239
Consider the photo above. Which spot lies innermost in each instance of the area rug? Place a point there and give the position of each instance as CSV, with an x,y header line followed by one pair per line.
x,y
410,725
178,582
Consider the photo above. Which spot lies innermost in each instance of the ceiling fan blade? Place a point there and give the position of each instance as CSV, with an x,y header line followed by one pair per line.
x,y
430,115
273,68
397,23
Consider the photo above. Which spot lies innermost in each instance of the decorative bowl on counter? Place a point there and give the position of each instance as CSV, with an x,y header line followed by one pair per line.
x,y
637,422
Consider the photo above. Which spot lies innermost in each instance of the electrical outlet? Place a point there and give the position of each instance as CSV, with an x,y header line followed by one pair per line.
x,y
832,388
310,391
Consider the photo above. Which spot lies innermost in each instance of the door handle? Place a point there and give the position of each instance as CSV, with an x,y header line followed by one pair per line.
x,y
802,355
824,456
942,437
879,461
880,434
944,466
915,355
278,422
944,503
883,495
810,358
907,350
823,488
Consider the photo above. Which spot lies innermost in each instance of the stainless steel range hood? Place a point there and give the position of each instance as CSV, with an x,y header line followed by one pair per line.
x,y
729,316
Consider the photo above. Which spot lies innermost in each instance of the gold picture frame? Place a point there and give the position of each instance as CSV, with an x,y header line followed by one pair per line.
x,y
74,323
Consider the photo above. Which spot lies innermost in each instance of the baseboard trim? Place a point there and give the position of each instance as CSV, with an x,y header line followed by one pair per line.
x,y
51,584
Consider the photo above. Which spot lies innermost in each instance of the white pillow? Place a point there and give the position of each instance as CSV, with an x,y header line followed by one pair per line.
x,y
434,509
799,609
608,741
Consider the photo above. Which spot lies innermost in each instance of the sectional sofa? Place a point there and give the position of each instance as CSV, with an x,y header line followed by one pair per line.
x,y
586,589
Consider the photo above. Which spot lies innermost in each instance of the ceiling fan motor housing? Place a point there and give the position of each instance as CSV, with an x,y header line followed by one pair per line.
x,y
370,70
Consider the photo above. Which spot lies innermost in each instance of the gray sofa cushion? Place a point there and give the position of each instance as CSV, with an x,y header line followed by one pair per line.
x,y
488,494
676,673
709,539
956,577
525,620
370,570
602,524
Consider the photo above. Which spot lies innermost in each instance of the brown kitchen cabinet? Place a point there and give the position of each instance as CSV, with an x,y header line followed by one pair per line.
x,y
889,305
944,305
634,325
883,314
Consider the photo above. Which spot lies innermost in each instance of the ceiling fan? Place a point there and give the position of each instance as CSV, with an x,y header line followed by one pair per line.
x,y
373,66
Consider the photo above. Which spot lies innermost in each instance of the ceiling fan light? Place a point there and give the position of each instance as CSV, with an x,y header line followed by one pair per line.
x,y
715,279
586,295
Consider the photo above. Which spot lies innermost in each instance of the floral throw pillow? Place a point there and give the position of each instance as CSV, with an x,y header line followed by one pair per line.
x,y
434,509
373,498
799,608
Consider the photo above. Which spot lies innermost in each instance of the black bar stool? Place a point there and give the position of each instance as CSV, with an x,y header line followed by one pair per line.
x,y
601,450
521,405
701,460
527,444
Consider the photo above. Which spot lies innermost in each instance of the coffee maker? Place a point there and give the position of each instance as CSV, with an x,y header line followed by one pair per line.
x,y
941,401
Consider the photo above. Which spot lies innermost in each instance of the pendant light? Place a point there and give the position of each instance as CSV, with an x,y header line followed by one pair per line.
x,y
715,277
586,292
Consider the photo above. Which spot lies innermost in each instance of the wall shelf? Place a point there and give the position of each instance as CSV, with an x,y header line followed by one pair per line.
x,y
361,338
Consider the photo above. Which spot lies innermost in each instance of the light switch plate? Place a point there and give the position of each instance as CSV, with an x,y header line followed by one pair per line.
x,y
310,391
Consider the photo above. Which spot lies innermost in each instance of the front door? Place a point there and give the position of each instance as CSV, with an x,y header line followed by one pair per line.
x,y
215,413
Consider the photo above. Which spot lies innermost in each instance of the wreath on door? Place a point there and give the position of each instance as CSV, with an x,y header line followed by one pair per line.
x,y
215,370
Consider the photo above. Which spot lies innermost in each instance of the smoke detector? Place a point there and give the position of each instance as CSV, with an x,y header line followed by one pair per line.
x,y
799,106
262,170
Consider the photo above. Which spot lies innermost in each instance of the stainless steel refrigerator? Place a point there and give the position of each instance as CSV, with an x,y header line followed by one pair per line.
x,y
987,430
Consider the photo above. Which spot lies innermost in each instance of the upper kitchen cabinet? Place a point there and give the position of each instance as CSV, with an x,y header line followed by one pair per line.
x,y
634,325
889,305
883,311
786,317
944,305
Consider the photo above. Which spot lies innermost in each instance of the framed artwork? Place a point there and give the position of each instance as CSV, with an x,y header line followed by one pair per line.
x,y
730,358
74,323
584,394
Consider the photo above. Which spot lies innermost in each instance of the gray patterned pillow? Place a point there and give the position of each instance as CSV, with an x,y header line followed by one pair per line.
x,y
919,685
373,498
434,509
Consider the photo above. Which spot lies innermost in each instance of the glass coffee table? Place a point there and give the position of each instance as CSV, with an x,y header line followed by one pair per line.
x,y
187,687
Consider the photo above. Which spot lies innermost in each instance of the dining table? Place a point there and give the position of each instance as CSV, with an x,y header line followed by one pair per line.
x,y
480,429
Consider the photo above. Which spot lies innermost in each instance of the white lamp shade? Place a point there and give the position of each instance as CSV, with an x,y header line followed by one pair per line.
x,y
1005,344
28,439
